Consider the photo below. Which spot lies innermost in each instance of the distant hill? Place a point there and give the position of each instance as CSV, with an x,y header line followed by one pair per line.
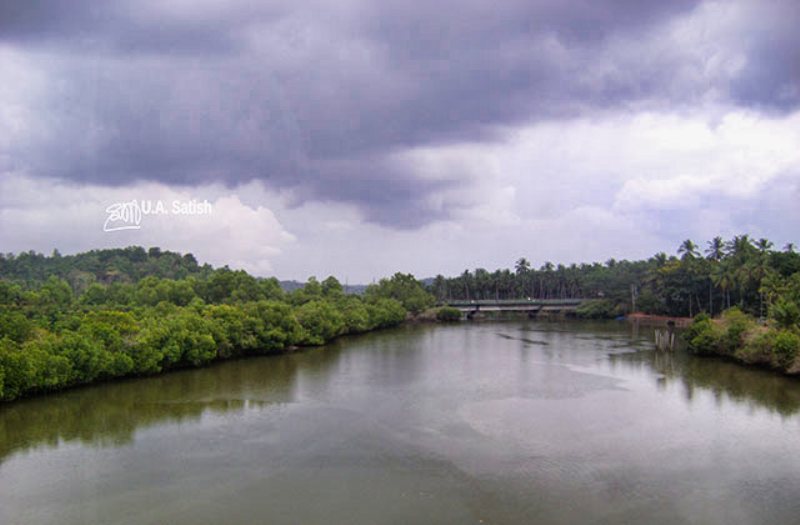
x,y
290,286
122,265
105,266
356,289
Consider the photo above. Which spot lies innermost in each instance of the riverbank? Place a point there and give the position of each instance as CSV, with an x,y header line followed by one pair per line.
x,y
739,337
79,345
658,320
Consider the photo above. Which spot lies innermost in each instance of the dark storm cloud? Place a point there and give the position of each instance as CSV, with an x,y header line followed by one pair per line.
x,y
393,197
771,75
124,27
320,97
178,122
448,28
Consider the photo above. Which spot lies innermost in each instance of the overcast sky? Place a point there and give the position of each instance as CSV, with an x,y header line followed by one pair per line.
x,y
359,138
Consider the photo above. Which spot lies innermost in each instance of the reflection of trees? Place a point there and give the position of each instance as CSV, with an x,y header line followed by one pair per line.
x,y
109,414
724,379
396,356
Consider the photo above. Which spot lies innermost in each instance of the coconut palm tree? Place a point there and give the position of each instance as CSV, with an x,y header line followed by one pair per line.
x,y
716,249
760,268
688,250
714,253
660,259
722,278
466,277
740,246
763,245
522,266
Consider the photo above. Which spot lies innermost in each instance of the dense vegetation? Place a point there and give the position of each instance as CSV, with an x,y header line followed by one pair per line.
x,y
106,314
752,289
739,272
70,320
123,265
774,343
448,314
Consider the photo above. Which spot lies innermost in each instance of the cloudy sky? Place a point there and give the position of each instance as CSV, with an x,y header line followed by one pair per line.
x,y
359,138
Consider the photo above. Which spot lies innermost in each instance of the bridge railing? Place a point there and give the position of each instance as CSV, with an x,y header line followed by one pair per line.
x,y
514,302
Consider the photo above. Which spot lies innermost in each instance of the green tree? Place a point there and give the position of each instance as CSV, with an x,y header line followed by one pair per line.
x,y
688,250
321,322
405,289
332,288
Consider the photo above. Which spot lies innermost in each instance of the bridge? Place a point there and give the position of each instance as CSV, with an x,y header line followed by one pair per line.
x,y
531,306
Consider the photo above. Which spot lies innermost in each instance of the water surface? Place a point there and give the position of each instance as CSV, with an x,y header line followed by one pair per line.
x,y
516,422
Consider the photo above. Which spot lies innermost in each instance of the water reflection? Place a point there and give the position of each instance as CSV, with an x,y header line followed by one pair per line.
x,y
109,414
727,381
446,424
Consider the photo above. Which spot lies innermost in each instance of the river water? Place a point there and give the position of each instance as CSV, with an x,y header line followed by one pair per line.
x,y
514,422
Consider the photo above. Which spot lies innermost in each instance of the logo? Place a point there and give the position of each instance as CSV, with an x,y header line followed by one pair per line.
x,y
128,215
123,216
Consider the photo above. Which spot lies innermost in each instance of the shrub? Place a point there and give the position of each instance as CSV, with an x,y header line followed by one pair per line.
x,y
16,370
786,313
276,326
321,322
786,348
385,312
356,316
757,348
737,323
15,325
448,314
703,336
403,288
597,309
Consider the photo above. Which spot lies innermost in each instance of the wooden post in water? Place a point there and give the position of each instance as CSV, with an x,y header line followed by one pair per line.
x,y
665,339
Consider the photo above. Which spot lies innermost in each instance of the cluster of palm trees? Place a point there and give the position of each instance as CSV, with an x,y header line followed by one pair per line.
x,y
739,272
549,282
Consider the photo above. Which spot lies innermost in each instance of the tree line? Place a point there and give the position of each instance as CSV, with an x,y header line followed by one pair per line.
x,y
104,314
56,332
739,272
106,266
772,342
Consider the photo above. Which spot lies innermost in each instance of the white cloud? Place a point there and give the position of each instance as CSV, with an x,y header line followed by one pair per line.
x,y
622,186
737,159
612,186
42,214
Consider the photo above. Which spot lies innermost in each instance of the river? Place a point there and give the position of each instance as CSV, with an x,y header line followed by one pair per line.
x,y
506,423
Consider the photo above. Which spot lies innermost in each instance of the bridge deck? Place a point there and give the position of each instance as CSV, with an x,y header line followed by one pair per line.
x,y
516,305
